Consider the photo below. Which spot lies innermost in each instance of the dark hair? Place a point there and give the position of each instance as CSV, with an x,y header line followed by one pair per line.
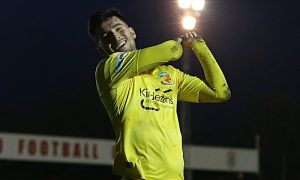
x,y
98,18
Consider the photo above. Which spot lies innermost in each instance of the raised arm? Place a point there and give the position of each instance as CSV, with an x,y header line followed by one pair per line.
x,y
123,65
215,88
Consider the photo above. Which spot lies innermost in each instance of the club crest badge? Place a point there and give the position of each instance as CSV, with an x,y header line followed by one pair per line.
x,y
166,78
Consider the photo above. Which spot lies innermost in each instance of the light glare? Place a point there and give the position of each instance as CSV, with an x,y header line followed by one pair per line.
x,y
185,4
198,5
189,22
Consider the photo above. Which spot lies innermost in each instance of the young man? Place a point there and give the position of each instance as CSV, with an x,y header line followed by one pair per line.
x,y
140,95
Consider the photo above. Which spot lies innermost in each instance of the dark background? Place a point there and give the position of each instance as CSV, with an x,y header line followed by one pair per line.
x,y
47,64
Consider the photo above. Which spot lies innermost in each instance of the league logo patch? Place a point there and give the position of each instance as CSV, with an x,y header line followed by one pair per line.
x,y
119,61
167,79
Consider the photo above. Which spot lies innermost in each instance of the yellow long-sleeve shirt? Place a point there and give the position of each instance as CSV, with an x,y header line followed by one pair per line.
x,y
140,96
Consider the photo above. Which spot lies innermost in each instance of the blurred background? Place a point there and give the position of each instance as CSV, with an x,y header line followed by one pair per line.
x,y
47,64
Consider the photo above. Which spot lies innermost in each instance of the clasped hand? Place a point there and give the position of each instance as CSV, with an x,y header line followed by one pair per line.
x,y
188,38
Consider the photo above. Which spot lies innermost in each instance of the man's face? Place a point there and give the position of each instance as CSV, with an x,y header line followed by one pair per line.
x,y
116,36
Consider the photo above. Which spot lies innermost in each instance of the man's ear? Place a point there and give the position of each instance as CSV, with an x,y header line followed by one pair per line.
x,y
101,51
131,30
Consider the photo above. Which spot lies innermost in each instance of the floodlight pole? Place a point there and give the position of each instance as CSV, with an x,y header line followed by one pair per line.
x,y
185,117
185,113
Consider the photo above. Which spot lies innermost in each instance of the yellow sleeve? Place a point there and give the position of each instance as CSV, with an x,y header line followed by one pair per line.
x,y
216,89
189,87
123,65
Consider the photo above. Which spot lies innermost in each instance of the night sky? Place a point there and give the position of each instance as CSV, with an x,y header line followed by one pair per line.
x,y
47,64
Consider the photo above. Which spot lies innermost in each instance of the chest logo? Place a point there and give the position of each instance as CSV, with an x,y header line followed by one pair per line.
x,y
166,78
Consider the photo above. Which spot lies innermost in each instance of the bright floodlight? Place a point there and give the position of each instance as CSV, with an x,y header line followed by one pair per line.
x,y
185,4
189,22
198,5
